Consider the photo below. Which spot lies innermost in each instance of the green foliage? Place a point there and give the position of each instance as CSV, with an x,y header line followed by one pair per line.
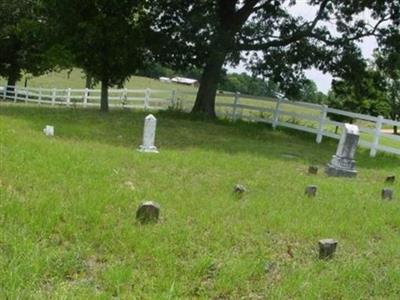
x,y
106,38
275,42
249,85
23,39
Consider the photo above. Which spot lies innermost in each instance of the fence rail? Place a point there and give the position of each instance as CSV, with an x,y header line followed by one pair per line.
x,y
313,118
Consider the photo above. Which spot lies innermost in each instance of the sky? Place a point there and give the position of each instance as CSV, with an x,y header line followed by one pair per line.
x,y
322,80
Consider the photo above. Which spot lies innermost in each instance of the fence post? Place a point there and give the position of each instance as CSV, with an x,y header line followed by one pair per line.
x,y
5,92
235,104
324,113
173,98
40,95
15,94
146,99
53,97
26,95
124,97
68,96
375,143
85,97
275,120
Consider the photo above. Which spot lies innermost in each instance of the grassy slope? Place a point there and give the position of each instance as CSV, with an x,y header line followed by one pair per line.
x,y
67,226
77,81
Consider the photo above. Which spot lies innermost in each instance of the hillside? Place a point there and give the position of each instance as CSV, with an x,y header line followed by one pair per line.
x,y
76,80
68,204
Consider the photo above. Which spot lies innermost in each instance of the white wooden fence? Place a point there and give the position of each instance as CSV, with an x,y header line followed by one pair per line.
x,y
308,117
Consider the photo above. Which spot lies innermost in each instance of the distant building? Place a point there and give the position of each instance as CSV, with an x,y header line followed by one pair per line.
x,y
165,79
183,80
180,80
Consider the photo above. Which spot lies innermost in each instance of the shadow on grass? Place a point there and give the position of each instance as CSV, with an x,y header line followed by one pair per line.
x,y
179,131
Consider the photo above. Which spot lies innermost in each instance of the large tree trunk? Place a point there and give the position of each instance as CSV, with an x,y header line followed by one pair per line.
x,y
89,81
104,96
12,81
205,99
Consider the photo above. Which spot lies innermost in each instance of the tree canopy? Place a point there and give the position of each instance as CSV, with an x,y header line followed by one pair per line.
x,y
23,39
105,37
268,35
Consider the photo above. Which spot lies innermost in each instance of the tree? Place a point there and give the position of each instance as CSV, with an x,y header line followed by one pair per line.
x,y
388,64
210,33
106,37
22,39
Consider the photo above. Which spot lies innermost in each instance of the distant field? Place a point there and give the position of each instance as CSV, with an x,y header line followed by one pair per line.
x,y
77,80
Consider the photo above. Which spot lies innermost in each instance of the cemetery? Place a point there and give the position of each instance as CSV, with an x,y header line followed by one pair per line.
x,y
243,149
204,208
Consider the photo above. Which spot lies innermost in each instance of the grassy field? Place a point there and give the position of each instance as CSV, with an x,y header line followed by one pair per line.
x,y
76,80
68,203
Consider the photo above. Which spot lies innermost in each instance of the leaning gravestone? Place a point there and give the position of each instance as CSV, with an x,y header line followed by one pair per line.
x,y
48,130
149,135
343,163
327,248
148,212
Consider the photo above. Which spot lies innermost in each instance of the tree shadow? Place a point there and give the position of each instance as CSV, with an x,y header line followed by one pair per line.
x,y
123,128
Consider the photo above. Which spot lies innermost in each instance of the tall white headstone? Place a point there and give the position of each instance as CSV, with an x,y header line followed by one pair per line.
x,y
49,130
149,135
343,163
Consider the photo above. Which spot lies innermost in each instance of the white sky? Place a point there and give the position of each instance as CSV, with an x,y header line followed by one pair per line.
x,y
323,81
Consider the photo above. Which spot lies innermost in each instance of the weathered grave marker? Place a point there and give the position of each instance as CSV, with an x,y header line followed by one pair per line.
x,y
149,135
390,179
327,248
387,194
313,170
343,163
49,130
239,189
148,212
311,190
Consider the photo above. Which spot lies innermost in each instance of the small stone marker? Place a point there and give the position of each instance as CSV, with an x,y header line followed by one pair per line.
x,y
49,130
311,191
343,163
390,179
148,212
149,135
387,194
327,248
239,189
313,170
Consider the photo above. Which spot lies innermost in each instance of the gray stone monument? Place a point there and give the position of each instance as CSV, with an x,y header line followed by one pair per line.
x,y
343,163
387,194
149,135
239,189
148,212
327,248
311,190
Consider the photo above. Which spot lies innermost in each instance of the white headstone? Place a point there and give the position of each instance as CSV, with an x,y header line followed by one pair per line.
x,y
49,130
343,163
149,135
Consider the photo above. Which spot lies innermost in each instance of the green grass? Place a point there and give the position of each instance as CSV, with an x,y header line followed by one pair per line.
x,y
67,212
76,80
